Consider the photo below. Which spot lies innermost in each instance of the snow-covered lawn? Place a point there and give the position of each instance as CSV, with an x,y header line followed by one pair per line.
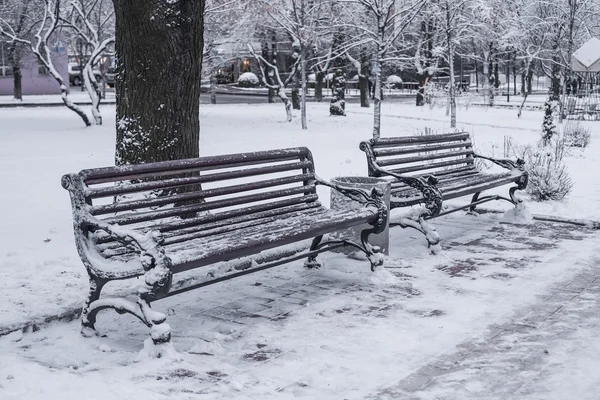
x,y
333,344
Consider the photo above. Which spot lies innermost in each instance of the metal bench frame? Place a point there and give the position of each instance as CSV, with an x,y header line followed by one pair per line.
x,y
91,232
427,184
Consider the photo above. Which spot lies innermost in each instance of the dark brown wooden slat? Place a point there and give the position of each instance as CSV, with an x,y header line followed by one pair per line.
x,y
283,206
478,188
414,140
236,225
254,239
455,184
231,247
94,193
133,218
424,167
424,157
215,221
396,185
197,195
451,171
197,223
128,172
420,149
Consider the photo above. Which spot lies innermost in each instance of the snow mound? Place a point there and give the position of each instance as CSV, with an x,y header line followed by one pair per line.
x,y
518,215
248,79
392,79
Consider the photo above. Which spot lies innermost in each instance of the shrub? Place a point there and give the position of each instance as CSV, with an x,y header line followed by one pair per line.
x,y
248,80
394,82
577,135
548,176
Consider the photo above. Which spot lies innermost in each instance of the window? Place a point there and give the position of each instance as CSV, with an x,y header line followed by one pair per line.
x,y
5,67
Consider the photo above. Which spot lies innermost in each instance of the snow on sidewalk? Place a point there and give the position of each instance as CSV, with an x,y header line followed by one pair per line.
x,y
338,332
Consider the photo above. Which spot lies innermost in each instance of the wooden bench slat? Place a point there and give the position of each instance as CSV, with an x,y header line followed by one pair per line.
x,y
196,195
430,166
419,149
415,140
128,219
239,243
479,188
208,250
424,157
442,179
412,197
129,172
94,193
209,221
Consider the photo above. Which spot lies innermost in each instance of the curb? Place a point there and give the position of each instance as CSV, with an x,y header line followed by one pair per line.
x,y
32,105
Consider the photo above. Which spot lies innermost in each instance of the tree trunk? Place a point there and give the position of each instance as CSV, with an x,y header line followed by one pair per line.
x,y
363,86
377,103
286,103
303,91
377,79
295,92
91,86
514,71
451,91
319,78
158,113
529,78
14,59
496,75
213,91
268,79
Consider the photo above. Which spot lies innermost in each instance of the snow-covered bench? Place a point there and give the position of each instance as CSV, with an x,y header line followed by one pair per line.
x,y
430,169
156,220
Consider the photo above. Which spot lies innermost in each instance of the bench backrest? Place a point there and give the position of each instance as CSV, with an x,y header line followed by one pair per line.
x,y
203,190
418,155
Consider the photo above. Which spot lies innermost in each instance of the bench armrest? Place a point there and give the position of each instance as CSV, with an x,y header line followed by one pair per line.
x,y
148,246
374,199
143,244
360,195
519,164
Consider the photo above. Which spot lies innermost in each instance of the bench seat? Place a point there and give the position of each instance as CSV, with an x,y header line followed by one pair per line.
x,y
195,247
452,186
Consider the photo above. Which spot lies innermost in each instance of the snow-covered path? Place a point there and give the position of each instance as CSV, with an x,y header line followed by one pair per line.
x,y
548,351
341,332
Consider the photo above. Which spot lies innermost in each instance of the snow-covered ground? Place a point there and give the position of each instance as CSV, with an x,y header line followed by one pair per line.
x,y
345,333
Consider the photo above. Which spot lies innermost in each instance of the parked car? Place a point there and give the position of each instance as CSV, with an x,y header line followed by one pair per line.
x,y
75,77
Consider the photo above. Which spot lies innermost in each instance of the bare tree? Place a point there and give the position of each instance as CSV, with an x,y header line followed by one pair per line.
x,y
298,19
46,30
382,24
91,21
17,14
279,85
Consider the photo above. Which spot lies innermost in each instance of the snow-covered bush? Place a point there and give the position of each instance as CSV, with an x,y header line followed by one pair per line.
x,y
577,135
393,82
248,79
548,176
